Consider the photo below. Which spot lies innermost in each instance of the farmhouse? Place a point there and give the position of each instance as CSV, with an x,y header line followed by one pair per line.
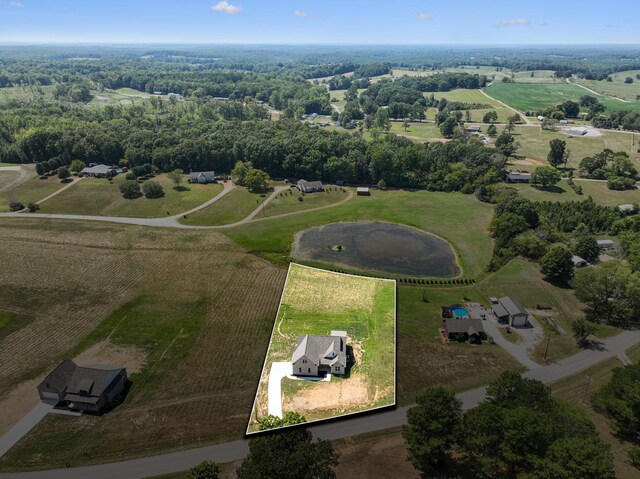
x,y
517,176
315,355
363,191
96,171
473,129
579,262
511,312
605,244
464,329
202,177
85,388
309,186
575,131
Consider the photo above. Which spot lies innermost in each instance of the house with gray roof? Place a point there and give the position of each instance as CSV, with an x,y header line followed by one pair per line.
x,y
202,177
463,329
85,388
309,186
508,310
315,355
605,244
516,176
96,170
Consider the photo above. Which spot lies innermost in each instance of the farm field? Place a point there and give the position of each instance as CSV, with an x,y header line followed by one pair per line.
x,y
232,207
289,203
534,97
562,192
126,303
316,302
417,131
32,190
460,219
97,196
473,96
617,87
534,143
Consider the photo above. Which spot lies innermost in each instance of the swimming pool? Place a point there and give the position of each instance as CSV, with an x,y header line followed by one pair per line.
x,y
459,312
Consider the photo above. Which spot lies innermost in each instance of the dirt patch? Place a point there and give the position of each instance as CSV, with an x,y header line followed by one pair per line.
x,y
108,353
18,403
338,395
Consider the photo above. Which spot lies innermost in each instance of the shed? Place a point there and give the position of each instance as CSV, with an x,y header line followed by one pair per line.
x,y
517,176
579,262
605,244
510,311
363,191
627,208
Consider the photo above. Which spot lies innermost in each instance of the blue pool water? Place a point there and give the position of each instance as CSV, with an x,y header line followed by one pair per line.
x,y
459,312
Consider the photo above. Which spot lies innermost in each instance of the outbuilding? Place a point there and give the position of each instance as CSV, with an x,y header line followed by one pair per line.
x,y
363,191
511,312
605,244
517,176
579,262
627,208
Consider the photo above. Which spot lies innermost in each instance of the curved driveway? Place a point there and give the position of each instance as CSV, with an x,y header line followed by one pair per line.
x,y
346,427
23,176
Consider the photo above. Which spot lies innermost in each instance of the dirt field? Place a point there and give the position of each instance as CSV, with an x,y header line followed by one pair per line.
x,y
81,284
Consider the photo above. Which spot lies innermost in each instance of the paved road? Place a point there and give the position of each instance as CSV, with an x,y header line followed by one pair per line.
x,y
385,419
278,371
24,425
23,176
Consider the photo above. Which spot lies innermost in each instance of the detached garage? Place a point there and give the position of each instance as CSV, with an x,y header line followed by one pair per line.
x,y
511,312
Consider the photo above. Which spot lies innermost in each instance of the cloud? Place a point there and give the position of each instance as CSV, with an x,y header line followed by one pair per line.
x,y
16,4
226,7
515,21
301,14
425,16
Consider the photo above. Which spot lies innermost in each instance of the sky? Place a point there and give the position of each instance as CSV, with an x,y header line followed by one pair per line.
x,y
412,22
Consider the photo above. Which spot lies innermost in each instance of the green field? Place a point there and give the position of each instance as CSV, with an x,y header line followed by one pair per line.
x,y
417,131
617,87
97,196
562,192
460,219
7,177
473,96
232,207
316,302
32,190
534,143
290,203
532,97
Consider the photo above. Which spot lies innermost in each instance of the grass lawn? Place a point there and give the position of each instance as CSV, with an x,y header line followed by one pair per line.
x,y
127,297
32,190
573,388
562,192
532,97
460,219
289,203
534,143
7,177
96,196
232,207
315,302
616,88
417,131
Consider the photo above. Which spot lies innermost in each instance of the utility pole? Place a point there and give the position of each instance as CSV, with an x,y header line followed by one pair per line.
x,y
586,388
546,350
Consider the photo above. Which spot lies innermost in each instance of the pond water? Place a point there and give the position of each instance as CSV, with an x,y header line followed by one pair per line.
x,y
377,246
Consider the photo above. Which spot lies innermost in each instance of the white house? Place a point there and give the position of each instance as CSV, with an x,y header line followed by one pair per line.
x,y
315,355
202,177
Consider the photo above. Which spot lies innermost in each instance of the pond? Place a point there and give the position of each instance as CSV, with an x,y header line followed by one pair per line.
x,y
379,247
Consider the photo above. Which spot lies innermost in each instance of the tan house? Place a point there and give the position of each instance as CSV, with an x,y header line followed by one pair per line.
x,y
315,355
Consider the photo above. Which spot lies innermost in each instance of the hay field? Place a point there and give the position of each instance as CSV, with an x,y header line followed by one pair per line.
x,y
178,303
315,302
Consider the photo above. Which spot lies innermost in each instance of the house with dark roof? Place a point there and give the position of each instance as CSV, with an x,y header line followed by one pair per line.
x,y
202,177
309,186
463,329
96,171
511,312
85,388
315,355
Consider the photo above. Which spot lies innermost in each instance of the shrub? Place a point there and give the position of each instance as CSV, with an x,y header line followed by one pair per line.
x,y
33,207
130,176
129,189
152,189
15,205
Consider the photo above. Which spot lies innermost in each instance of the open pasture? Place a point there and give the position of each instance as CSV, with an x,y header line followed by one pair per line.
x,y
596,189
232,207
98,196
32,190
316,302
617,87
188,304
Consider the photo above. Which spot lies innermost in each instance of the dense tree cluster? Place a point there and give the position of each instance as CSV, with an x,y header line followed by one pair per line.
x,y
519,431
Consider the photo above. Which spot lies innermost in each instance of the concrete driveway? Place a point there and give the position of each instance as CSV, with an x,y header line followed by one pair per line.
x,y
278,371
24,425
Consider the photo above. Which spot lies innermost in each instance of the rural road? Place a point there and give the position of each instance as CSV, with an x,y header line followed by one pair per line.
x,y
524,117
385,419
172,221
23,176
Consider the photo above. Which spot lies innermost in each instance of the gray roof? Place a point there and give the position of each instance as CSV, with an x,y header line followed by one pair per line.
x,y
519,175
626,207
194,175
96,170
465,325
310,185
512,306
78,381
321,350
605,242
577,260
